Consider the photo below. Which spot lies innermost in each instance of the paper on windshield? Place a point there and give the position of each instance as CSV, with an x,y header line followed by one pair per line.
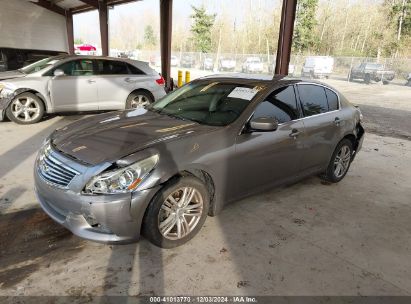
x,y
243,93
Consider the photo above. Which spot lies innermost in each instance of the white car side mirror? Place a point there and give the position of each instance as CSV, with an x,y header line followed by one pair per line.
x,y
58,72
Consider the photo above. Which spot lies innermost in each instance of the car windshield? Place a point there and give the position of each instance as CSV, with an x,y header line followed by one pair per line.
x,y
210,103
41,64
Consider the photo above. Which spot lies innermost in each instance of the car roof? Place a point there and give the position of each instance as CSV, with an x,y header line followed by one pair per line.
x,y
93,57
256,79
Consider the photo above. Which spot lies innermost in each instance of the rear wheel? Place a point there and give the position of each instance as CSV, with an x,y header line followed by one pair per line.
x,y
26,108
340,162
139,99
177,212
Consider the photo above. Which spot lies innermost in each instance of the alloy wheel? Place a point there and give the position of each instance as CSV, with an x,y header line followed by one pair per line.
x,y
180,213
342,161
139,101
25,109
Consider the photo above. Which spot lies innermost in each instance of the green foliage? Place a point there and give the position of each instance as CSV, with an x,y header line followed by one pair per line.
x,y
201,29
398,8
305,24
150,38
78,41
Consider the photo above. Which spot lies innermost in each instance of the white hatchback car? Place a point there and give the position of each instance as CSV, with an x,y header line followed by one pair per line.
x,y
77,83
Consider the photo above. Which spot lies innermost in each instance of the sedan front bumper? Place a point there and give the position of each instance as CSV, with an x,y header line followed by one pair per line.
x,y
113,218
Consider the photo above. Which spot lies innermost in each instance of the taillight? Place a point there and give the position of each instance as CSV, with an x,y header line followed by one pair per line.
x,y
161,81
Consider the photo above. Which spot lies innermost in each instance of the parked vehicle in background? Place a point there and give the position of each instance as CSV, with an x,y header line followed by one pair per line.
x,y
123,55
252,65
317,67
85,50
165,168
13,59
226,64
208,64
408,83
371,71
187,61
174,61
77,83
291,69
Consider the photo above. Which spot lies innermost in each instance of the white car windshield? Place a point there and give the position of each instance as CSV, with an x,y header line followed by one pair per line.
x,y
40,65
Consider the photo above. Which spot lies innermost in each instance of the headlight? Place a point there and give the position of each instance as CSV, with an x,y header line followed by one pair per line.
x,y
5,92
122,180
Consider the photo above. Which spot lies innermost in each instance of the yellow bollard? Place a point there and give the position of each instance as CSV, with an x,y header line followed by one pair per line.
x,y
180,79
187,76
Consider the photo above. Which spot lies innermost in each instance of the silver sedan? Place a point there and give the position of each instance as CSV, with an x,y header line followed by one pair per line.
x,y
77,83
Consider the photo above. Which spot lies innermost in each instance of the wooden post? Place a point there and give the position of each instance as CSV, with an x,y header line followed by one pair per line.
x,y
166,14
285,37
103,17
70,32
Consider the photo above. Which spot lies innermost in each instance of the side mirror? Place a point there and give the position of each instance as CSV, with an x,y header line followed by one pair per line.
x,y
264,124
58,72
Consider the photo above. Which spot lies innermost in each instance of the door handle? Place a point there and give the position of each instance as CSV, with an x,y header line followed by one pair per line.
x,y
128,80
294,133
337,121
91,81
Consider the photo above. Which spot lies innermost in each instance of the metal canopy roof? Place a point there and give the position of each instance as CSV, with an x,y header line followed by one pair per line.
x,y
75,6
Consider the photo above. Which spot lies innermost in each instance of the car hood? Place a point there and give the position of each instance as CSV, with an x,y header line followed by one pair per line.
x,y
112,136
11,74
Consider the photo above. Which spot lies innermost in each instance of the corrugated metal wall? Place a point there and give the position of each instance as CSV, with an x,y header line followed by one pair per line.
x,y
27,26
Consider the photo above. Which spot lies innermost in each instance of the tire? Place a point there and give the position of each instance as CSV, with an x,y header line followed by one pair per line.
x,y
139,99
367,78
26,108
344,148
156,215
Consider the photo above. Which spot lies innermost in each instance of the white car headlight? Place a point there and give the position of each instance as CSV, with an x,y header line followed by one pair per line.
x,y
5,92
122,180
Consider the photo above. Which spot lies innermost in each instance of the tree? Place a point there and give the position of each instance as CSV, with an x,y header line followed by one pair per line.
x,y
150,38
305,24
201,29
400,15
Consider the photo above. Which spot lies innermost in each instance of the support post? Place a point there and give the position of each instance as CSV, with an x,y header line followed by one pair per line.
x,y
285,37
103,17
166,14
70,32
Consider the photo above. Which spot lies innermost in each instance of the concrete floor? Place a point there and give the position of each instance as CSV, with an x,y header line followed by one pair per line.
x,y
312,238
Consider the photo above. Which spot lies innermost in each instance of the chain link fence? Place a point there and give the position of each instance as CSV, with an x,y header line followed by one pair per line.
x,y
196,60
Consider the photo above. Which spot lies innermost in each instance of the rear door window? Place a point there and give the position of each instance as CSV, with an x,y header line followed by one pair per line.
x,y
112,67
332,99
281,105
313,99
134,70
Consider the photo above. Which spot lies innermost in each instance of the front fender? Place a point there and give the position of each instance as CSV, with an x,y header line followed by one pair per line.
x,y
5,101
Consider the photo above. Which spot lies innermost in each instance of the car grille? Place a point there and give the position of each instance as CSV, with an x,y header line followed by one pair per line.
x,y
54,171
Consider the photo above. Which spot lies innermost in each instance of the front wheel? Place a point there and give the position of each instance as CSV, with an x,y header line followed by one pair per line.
x,y
177,212
138,99
26,108
367,78
340,162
